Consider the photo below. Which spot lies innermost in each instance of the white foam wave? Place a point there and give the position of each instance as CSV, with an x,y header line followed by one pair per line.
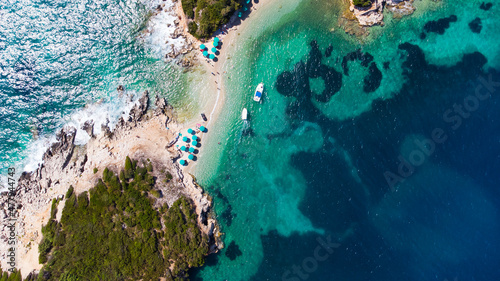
x,y
159,32
103,112
158,37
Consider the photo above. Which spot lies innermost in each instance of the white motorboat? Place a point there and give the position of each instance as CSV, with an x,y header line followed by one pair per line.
x,y
244,114
258,92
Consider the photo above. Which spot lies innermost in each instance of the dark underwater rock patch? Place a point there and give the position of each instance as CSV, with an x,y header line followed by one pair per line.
x,y
285,83
364,58
228,215
373,79
328,51
438,26
476,25
486,6
352,56
233,251
333,83
296,83
314,61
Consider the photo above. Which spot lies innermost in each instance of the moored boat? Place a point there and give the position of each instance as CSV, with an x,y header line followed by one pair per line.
x,y
258,92
244,114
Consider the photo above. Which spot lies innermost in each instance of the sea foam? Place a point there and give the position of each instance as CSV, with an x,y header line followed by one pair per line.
x,y
159,33
101,113
158,39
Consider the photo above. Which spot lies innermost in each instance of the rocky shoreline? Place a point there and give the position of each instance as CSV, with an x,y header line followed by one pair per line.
x,y
184,56
373,15
143,135
363,16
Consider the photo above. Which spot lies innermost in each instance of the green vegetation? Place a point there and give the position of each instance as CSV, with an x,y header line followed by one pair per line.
x,y
208,15
362,3
69,192
168,176
156,193
192,27
14,276
95,170
114,233
183,235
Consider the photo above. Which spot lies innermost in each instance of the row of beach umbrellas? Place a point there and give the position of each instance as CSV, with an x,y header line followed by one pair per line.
x,y
213,49
194,142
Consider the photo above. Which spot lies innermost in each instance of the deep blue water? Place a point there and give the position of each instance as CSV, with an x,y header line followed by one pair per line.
x,y
341,117
441,222
406,189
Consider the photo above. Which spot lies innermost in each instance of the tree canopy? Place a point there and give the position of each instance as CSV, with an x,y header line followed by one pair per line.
x,y
113,232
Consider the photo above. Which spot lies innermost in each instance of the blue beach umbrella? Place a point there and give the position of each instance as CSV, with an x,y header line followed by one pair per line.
x,y
214,50
191,157
190,131
203,129
195,137
205,53
182,162
216,44
191,149
202,46
183,148
216,39
195,143
185,139
212,56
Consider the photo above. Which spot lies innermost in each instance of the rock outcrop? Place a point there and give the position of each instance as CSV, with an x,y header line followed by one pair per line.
x,y
369,16
140,109
373,15
400,8
88,127
162,107
142,136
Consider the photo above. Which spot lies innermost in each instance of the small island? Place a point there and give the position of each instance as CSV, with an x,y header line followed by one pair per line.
x,y
369,13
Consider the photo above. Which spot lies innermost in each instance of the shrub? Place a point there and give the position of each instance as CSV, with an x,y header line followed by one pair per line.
x,y
168,176
156,193
192,27
188,7
118,235
129,170
69,192
95,170
209,16
53,209
14,276
362,3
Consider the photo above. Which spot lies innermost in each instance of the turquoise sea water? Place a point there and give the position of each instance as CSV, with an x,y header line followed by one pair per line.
x,y
301,189
311,165
58,56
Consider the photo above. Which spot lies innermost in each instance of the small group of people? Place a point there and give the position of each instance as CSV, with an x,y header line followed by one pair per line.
x,y
224,30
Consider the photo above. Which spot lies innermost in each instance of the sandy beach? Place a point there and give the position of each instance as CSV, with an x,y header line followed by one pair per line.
x,y
148,139
215,70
